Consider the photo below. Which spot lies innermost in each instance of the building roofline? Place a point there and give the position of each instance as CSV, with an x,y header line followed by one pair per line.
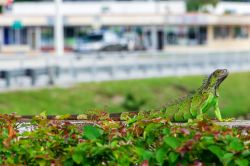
x,y
129,19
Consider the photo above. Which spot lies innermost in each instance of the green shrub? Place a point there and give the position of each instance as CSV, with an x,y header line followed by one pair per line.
x,y
142,140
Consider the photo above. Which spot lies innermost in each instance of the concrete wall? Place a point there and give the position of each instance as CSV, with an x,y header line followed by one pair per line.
x,y
133,7
236,7
93,8
15,48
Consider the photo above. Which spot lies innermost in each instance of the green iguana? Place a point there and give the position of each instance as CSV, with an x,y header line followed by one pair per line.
x,y
191,107
194,106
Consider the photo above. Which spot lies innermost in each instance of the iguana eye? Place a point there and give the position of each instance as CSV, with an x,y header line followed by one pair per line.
x,y
218,72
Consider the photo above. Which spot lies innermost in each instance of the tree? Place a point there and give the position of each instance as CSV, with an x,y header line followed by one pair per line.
x,y
196,5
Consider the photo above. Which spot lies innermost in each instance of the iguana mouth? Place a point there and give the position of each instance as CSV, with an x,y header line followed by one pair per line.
x,y
221,78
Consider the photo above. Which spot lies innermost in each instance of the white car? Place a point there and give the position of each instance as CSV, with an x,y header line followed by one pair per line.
x,y
101,41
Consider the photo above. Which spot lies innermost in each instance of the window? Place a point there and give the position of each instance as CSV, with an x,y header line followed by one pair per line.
x,y
15,36
93,38
47,36
240,32
221,32
182,35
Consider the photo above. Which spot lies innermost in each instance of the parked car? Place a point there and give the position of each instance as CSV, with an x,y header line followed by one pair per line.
x,y
101,41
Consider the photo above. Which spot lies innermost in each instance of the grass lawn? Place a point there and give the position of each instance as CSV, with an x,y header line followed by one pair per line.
x,y
234,95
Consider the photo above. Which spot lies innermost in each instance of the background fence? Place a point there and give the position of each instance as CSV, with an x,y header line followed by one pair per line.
x,y
23,71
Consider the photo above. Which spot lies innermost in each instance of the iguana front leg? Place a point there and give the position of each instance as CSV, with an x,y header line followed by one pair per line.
x,y
205,107
217,110
202,109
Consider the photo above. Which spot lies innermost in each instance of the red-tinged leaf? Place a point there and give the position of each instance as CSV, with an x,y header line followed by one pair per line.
x,y
144,163
123,131
198,163
184,131
12,132
186,147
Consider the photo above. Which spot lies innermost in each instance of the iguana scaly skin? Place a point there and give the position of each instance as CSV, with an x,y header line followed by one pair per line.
x,y
191,107
194,106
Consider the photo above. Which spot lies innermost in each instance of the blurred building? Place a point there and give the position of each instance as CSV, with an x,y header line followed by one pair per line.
x,y
157,25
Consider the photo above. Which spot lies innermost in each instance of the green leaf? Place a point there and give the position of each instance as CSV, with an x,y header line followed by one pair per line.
x,y
246,153
91,132
208,140
228,155
236,145
145,154
77,157
227,158
114,143
160,155
5,133
166,131
173,157
41,162
242,162
62,117
99,150
217,151
43,115
68,162
82,116
172,142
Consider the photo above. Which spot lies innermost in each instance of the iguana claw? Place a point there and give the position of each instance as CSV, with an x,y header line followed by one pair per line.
x,y
227,120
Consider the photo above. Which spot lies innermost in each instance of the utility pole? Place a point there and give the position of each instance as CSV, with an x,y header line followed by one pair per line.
x,y
58,28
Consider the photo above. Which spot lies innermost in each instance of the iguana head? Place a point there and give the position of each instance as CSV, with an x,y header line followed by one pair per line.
x,y
215,79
